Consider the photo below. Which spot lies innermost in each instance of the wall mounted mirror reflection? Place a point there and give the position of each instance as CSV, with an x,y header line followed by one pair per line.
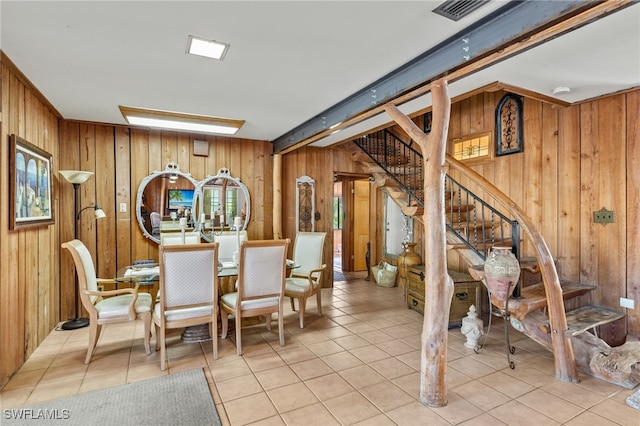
x,y
398,228
223,204
164,197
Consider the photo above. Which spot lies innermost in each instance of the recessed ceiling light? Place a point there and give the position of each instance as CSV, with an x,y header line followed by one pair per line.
x,y
180,121
208,48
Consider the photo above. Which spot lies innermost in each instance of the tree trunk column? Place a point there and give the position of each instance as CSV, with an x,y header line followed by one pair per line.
x,y
438,284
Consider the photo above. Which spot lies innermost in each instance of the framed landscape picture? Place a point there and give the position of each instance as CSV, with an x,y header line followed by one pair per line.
x,y
29,185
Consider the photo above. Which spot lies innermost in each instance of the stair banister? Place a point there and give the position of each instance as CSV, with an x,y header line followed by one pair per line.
x,y
565,366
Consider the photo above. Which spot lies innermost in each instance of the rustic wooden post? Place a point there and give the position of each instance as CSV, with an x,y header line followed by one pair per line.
x,y
438,284
277,196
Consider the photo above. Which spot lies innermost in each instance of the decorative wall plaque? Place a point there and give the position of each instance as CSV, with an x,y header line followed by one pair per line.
x,y
509,125
305,204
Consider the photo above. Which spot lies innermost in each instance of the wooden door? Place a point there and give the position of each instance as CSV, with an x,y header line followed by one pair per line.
x,y
360,223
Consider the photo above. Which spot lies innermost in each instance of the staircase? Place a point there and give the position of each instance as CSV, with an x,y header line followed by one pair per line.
x,y
474,225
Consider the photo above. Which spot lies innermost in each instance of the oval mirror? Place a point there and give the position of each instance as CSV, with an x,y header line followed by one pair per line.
x,y
223,203
163,198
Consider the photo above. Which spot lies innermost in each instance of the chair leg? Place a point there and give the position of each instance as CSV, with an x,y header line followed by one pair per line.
x,y
146,318
319,300
280,324
293,306
268,321
157,336
214,334
302,301
224,318
238,333
163,349
94,333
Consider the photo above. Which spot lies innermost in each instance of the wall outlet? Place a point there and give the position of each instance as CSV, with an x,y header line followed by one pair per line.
x,y
627,303
123,207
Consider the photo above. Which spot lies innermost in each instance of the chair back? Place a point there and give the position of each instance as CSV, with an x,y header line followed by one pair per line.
x,y
173,238
307,252
188,275
85,271
228,241
155,222
262,270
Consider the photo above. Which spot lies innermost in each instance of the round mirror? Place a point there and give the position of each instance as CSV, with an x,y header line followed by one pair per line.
x,y
223,203
163,199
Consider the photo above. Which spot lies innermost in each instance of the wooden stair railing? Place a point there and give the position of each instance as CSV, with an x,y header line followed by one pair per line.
x,y
564,358
560,331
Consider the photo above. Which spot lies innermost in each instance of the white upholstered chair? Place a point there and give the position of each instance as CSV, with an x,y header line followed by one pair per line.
x,y
188,292
172,238
260,287
304,280
111,306
228,241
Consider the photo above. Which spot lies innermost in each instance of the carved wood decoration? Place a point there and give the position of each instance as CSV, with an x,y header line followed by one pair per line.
x,y
509,125
438,284
305,204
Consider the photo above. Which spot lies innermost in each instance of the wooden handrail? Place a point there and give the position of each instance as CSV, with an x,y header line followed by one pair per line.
x,y
564,359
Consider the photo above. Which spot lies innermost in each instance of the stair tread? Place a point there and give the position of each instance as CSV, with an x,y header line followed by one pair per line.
x,y
534,296
584,318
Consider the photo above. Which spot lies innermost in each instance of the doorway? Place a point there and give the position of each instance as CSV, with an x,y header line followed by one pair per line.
x,y
350,225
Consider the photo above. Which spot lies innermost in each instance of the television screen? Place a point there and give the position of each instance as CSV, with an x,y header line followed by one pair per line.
x,y
180,198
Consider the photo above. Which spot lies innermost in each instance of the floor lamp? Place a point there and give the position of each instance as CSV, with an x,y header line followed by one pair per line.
x,y
77,178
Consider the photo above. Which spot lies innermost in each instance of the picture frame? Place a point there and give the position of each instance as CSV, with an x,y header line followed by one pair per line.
x,y
30,189
509,131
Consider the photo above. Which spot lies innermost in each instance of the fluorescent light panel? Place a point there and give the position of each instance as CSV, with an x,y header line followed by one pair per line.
x,y
180,121
207,48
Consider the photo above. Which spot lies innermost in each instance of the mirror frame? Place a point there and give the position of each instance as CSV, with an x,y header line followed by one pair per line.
x,y
171,169
197,205
223,173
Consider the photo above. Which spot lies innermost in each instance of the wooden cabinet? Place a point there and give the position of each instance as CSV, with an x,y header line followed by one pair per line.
x,y
467,292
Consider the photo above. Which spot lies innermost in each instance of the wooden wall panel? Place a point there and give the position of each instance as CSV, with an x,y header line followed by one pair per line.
x,y
569,217
548,175
28,256
611,180
632,290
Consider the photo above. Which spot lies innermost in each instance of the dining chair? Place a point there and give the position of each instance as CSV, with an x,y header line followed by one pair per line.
x,y
172,238
260,287
188,292
305,278
229,243
110,306
155,223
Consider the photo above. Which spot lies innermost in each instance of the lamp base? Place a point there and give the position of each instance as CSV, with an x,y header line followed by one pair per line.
x,y
75,323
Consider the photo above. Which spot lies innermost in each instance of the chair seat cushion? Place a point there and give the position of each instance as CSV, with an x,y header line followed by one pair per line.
x,y
118,306
230,299
182,314
298,285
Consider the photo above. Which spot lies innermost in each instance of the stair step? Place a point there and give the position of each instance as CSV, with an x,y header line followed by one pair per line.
x,y
534,297
587,317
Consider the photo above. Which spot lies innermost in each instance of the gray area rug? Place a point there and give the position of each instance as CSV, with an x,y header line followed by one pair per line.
x,y
176,399
633,400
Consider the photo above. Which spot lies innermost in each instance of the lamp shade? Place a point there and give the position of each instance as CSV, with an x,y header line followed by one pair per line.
x,y
99,213
75,176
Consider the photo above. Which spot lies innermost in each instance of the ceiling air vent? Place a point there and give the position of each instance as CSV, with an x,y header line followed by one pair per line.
x,y
458,9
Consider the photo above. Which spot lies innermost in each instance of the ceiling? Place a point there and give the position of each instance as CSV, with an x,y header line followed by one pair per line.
x,y
288,61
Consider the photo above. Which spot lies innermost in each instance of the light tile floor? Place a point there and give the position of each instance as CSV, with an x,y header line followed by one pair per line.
x,y
357,365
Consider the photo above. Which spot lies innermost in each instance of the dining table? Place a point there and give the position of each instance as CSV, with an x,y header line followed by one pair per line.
x,y
149,274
